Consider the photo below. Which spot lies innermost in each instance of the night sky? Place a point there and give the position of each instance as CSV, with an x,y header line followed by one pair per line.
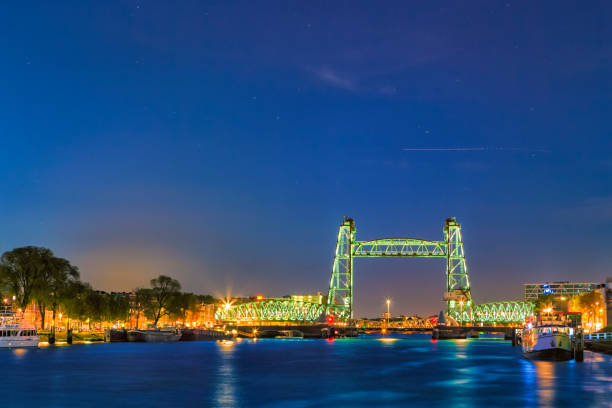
x,y
222,142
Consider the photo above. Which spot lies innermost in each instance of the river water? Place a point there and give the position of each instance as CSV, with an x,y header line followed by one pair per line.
x,y
367,371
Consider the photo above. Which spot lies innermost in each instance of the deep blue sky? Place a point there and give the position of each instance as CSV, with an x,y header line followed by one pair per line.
x,y
222,142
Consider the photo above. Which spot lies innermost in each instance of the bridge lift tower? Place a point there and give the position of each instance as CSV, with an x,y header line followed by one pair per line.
x,y
458,296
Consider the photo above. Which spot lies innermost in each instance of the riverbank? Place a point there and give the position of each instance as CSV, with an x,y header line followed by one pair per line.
x,y
599,347
76,336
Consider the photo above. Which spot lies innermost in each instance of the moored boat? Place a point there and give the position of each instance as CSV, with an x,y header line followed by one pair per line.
x,y
153,336
14,332
204,334
552,336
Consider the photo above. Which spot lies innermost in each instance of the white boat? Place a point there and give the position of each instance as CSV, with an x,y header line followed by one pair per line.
x,y
14,332
551,336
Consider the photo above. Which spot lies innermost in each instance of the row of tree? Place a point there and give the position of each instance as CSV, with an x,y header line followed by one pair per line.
x,y
584,302
35,274
164,298
590,304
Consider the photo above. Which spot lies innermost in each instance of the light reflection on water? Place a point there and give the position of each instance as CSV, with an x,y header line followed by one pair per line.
x,y
398,371
545,379
225,392
19,352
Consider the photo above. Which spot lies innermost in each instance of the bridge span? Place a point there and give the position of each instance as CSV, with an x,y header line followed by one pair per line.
x,y
339,301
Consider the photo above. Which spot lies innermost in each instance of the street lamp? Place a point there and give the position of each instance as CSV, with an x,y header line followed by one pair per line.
x,y
388,301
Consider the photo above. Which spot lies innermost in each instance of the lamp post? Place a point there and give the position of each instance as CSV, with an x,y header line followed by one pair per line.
x,y
461,312
388,312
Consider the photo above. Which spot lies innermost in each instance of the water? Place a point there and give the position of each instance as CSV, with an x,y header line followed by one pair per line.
x,y
409,370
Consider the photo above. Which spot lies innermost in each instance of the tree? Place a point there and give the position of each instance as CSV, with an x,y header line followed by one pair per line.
x,y
52,283
182,303
140,303
163,290
590,300
20,270
74,300
544,302
96,305
589,303
118,307
208,300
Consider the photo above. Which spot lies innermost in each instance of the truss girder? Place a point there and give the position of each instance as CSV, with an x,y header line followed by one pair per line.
x,y
288,310
280,309
502,312
399,247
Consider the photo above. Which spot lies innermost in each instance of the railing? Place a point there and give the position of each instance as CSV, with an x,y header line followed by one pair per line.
x,y
598,336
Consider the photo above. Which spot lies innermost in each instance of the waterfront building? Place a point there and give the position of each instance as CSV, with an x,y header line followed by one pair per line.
x,y
318,298
608,298
566,289
206,315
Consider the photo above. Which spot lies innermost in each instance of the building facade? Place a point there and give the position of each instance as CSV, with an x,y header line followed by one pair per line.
x,y
608,298
568,289
318,298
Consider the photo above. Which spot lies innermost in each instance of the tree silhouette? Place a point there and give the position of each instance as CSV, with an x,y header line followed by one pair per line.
x,y
21,268
163,290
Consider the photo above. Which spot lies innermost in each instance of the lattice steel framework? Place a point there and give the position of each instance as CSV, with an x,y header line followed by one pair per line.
x,y
341,284
502,312
340,296
288,310
458,295
279,309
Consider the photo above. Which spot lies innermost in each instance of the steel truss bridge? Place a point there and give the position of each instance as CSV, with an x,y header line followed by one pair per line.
x,y
339,302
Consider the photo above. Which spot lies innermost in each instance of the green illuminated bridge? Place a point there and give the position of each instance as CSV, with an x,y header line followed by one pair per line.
x,y
339,303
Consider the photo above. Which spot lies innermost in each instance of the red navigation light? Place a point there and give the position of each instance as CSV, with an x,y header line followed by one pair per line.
x,y
330,319
259,297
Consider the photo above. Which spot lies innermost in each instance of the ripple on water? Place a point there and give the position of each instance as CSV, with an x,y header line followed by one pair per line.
x,y
300,374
